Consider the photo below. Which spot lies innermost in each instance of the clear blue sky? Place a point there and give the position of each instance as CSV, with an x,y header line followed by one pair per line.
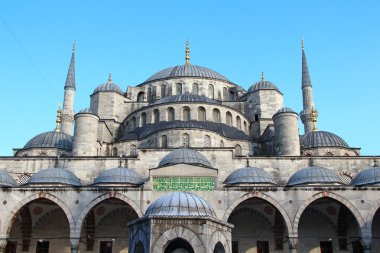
x,y
239,39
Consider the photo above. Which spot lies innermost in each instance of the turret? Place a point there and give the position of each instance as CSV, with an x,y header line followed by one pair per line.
x,y
68,101
307,96
286,140
85,134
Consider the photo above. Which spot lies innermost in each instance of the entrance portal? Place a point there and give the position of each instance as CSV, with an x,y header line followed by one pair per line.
x,y
179,245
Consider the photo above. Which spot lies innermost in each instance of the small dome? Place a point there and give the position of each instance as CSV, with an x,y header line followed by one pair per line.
x,y
186,156
250,175
6,180
52,139
109,86
186,98
369,176
322,139
286,109
263,85
58,176
86,110
186,70
180,204
314,175
119,175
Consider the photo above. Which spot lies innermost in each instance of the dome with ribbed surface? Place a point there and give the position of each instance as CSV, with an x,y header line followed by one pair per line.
x,y
54,176
6,180
322,139
119,175
263,85
186,70
250,175
369,176
186,98
109,86
52,139
180,204
314,175
184,156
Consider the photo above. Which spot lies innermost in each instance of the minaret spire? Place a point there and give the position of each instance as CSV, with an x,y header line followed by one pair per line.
x,y
187,57
309,114
68,100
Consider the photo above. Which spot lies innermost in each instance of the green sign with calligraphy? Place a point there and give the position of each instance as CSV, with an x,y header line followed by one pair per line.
x,y
183,183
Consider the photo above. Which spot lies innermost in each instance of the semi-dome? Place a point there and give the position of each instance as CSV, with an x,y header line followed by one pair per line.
x,y
186,98
263,85
6,180
120,175
369,176
54,176
51,139
180,204
314,175
322,139
186,70
250,175
184,156
109,86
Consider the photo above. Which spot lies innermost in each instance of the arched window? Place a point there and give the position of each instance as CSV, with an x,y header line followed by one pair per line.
x,y
114,152
229,118
185,140
201,114
133,151
154,93
150,95
139,247
163,91
232,95
245,127
207,141
238,150
221,144
171,114
164,141
143,119
225,93
186,114
178,89
211,91
216,115
156,116
238,122
219,248
195,89
133,123
140,96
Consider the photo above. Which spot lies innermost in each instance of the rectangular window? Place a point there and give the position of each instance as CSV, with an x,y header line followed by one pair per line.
x,y
262,246
326,247
11,247
42,247
235,247
105,247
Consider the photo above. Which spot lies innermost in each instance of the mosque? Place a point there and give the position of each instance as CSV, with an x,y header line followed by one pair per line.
x,y
188,162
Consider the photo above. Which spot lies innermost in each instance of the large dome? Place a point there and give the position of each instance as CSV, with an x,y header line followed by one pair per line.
x,y
52,139
263,85
119,175
369,176
322,139
186,98
186,70
184,156
58,176
250,175
180,204
314,175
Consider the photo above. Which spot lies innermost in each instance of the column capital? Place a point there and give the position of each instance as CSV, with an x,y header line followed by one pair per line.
x,y
293,242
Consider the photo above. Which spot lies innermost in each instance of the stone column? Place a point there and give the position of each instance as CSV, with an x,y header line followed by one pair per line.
x,y
293,244
74,245
367,244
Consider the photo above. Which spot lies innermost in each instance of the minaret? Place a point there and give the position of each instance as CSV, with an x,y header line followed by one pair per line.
x,y
309,113
68,101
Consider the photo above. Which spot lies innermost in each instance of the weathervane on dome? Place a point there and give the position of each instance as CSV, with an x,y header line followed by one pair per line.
x,y
262,76
187,58
110,78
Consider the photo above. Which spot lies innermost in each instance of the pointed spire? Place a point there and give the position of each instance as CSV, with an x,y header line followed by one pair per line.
x,y
305,69
58,121
70,79
187,57
110,78
262,76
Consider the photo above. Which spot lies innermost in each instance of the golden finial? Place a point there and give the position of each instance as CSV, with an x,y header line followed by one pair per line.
x,y
262,76
110,78
302,43
314,117
74,46
187,58
58,121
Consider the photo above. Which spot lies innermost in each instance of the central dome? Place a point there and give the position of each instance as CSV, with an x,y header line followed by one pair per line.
x,y
187,70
